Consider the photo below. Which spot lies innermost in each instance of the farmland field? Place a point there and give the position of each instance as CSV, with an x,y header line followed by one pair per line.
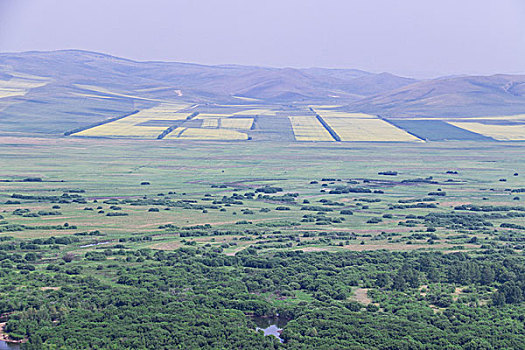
x,y
300,123
210,123
498,132
437,130
370,129
236,123
206,134
336,114
133,126
90,89
19,84
308,128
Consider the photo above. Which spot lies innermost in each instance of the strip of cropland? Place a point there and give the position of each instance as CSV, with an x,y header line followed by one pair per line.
x,y
363,127
308,128
206,134
498,132
136,125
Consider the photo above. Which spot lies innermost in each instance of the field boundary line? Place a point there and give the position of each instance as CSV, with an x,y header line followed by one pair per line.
x,y
180,132
399,127
173,127
327,127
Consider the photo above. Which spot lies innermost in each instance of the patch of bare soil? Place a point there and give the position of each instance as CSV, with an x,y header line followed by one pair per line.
x,y
50,288
361,295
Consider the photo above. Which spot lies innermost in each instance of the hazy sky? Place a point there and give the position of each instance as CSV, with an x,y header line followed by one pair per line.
x,y
420,38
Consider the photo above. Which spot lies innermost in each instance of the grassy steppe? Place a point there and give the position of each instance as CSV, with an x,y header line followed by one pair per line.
x,y
199,173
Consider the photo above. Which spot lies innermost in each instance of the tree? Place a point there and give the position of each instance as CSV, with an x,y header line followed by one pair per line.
x,y
69,257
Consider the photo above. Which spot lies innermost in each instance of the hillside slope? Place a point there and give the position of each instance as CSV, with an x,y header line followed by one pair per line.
x,y
51,92
450,97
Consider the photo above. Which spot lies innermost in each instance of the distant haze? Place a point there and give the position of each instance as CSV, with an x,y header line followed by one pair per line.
x,y
418,38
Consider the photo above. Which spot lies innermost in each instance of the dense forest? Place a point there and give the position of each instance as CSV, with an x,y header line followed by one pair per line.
x,y
199,298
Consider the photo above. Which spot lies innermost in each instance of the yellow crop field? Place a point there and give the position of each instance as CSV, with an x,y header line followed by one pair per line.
x,y
129,127
504,117
350,129
164,111
92,95
261,111
516,117
114,93
324,106
308,128
236,123
19,86
210,123
498,132
206,134
212,115
123,130
246,98
337,114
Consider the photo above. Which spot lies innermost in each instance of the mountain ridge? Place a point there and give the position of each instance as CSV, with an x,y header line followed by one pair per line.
x,y
71,86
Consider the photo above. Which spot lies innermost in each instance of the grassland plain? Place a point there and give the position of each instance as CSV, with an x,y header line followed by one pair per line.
x,y
200,173
341,238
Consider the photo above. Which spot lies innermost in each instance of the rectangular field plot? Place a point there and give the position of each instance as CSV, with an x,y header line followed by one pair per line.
x,y
325,106
123,130
516,117
148,123
308,128
213,115
437,130
19,86
163,111
210,123
253,112
101,90
338,114
272,128
350,129
236,123
498,132
206,134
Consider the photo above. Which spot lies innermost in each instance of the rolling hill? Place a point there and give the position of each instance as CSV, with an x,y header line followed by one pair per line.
x,y
52,92
467,96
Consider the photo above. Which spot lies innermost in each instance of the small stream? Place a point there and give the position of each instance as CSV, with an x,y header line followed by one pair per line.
x,y
8,346
270,325
92,245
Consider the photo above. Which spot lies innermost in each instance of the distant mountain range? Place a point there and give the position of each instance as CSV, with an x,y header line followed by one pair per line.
x,y
73,88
